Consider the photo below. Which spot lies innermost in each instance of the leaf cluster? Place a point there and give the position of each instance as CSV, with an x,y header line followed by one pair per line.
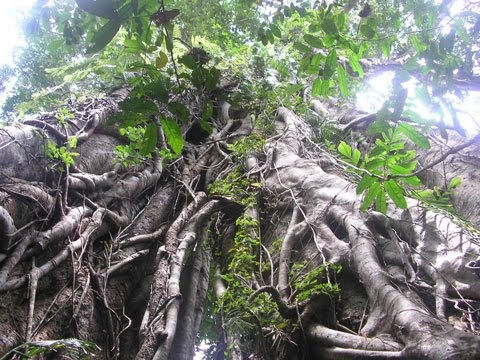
x,y
313,283
70,348
386,170
63,154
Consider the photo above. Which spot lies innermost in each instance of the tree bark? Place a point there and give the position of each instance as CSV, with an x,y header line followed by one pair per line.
x,y
125,257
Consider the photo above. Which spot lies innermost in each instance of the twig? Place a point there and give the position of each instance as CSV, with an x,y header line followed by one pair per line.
x,y
452,150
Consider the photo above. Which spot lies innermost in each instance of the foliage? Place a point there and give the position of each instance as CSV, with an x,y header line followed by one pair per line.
x,y
71,348
387,169
439,198
243,315
63,153
309,284
237,187
253,143
139,147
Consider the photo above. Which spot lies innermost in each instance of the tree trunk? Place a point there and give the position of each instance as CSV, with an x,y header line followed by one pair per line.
x,y
268,248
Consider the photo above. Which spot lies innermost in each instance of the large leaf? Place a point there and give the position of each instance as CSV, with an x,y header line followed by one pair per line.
x,y
412,180
365,183
356,156
188,61
313,41
330,64
212,79
104,35
134,46
301,47
325,88
173,133
455,182
381,202
374,164
367,31
414,135
161,60
342,80
317,87
329,26
101,8
399,170
149,140
136,105
395,192
371,195
180,111
345,149
276,30
355,64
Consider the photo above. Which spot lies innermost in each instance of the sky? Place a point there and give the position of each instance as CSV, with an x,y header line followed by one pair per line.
x,y
11,12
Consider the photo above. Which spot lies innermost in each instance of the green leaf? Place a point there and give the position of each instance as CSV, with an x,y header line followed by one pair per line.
x,y
142,106
207,110
374,164
342,80
101,8
276,30
330,64
161,60
206,126
173,133
356,156
180,111
345,149
381,144
381,202
103,36
378,126
317,87
414,135
412,180
395,192
411,64
329,26
212,79
134,45
198,77
188,61
355,64
367,31
316,60
301,47
455,182
270,37
325,89
399,170
370,196
386,47
313,41
149,142
341,20
72,142
365,183
263,39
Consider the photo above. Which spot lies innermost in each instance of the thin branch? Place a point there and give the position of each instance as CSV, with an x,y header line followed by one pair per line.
x,y
452,150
